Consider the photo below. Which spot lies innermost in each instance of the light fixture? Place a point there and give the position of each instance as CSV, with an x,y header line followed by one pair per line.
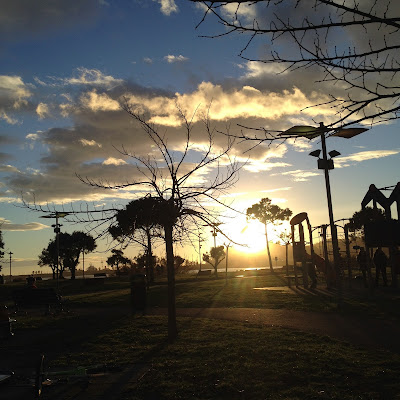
x,y
334,153
315,153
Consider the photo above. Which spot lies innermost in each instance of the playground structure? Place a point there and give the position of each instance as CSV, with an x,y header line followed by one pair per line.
x,y
377,234
384,233
300,256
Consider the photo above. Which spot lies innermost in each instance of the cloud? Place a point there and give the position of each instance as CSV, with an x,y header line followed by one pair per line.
x,y
168,6
99,102
42,110
13,96
363,156
257,166
147,60
276,190
174,59
24,18
82,77
299,175
8,168
225,104
6,225
91,145
113,161
86,142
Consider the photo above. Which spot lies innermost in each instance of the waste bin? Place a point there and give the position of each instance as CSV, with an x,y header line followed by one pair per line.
x,y
138,293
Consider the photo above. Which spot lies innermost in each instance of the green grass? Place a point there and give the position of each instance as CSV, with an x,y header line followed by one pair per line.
x,y
214,359
220,360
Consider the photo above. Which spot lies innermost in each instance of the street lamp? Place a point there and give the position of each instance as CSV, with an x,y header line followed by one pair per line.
x,y
326,164
56,226
10,253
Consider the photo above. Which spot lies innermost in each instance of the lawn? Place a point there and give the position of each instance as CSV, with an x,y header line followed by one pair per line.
x,y
212,359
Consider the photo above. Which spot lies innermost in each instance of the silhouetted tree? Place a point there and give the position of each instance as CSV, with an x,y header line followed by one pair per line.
x,y
116,259
216,256
351,46
285,237
174,196
178,263
362,217
268,213
48,257
137,218
71,247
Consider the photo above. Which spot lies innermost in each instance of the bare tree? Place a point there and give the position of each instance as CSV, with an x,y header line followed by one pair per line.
x,y
354,44
174,190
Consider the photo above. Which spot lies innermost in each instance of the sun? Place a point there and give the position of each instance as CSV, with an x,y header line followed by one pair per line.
x,y
251,235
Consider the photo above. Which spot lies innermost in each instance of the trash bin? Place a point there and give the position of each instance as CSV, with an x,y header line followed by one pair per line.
x,y
138,293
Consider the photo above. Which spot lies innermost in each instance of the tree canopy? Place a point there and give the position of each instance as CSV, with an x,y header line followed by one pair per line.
x,y
71,246
268,213
216,256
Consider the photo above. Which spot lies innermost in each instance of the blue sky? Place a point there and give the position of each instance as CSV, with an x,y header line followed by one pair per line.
x,y
64,68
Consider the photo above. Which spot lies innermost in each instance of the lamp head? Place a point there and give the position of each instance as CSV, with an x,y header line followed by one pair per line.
x,y
334,153
315,153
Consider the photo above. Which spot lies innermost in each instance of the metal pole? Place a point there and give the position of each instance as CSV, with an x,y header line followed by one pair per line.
x,y
200,252
10,265
336,259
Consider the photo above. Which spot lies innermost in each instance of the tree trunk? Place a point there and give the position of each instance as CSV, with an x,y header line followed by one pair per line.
x,y
269,253
73,269
287,254
149,261
172,328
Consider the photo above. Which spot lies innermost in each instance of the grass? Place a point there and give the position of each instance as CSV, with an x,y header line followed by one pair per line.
x,y
213,359
218,360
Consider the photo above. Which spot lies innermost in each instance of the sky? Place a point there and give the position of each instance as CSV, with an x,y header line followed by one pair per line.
x,y
64,69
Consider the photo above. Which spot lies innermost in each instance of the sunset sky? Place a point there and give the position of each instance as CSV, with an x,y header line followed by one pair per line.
x,y
64,67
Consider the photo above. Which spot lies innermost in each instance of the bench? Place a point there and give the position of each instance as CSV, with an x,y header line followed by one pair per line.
x,y
34,297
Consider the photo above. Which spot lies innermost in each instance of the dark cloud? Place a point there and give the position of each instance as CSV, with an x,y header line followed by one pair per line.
x,y
20,18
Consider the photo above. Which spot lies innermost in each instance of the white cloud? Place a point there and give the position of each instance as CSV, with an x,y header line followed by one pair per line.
x,y
42,110
276,190
99,102
300,175
364,156
147,60
168,6
86,142
6,225
13,95
114,161
174,59
260,166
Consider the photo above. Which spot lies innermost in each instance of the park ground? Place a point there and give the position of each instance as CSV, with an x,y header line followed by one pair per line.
x,y
249,336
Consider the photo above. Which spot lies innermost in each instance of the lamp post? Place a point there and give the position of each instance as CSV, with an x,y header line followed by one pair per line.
x,y
325,163
10,253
